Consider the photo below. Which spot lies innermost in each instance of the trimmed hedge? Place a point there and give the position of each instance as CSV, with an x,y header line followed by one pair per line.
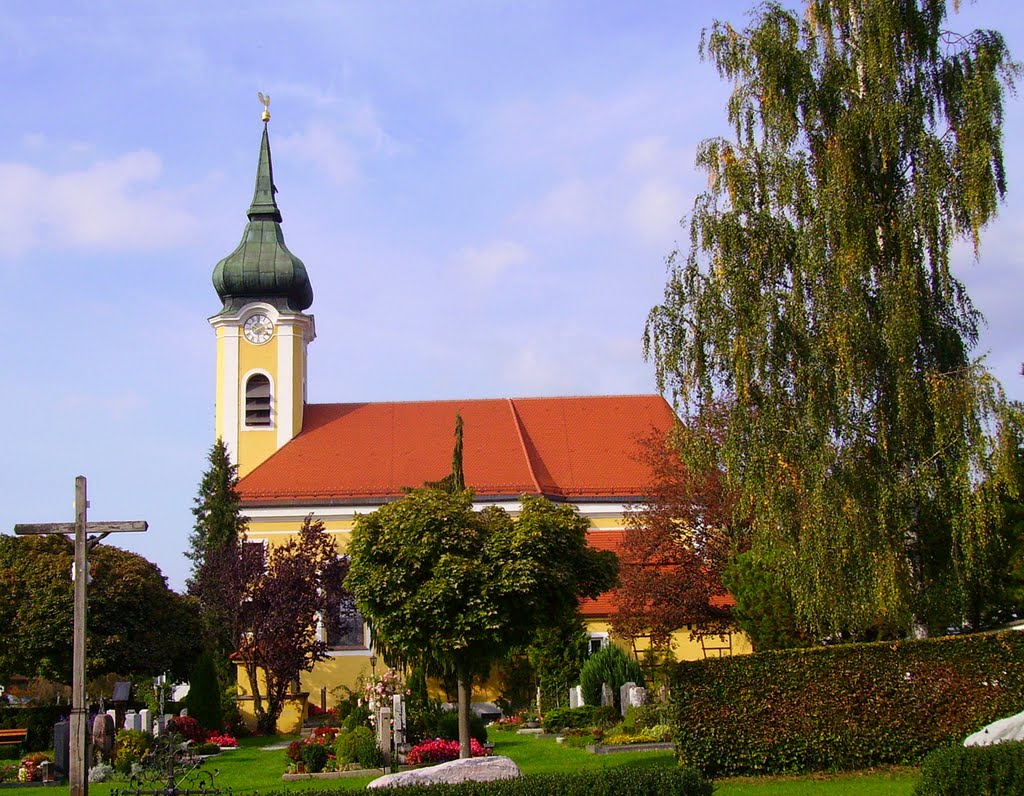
x,y
625,781
845,707
995,770
584,717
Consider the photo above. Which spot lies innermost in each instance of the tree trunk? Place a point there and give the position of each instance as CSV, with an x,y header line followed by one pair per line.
x,y
465,695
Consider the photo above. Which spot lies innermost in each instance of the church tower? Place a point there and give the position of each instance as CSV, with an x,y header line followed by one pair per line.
x,y
262,331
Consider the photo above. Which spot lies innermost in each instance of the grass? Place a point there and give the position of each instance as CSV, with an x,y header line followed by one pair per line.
x,y
253,767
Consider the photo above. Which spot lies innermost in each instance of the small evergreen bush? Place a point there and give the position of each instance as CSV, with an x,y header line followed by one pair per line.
x,y
558,719
314,757
956,770
205,749
358,716
204,696
358,746
611,665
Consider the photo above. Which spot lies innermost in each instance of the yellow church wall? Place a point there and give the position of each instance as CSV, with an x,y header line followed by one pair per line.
x,y
298,381
256,445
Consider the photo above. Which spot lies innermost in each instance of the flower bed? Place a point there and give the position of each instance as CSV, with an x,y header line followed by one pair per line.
x,y
441,751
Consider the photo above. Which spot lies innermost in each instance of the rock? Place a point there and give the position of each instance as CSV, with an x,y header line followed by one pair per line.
x,y
1008,729
473,769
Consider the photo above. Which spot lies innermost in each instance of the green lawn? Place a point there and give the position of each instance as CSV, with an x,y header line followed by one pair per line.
x,y
254,767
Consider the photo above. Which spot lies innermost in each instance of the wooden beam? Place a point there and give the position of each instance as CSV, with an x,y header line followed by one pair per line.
x,y
43,528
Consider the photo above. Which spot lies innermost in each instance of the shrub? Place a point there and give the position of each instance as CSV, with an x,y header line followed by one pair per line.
x,y
130,746
611,665
448,727
223,740
188,728
205,749
294,751
359,716
100,772
423,719
440,750
203,698
851,706
558,719
994,770
625,781
314,756
358,746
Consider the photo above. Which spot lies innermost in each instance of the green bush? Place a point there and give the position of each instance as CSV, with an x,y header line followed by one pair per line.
x,y
955,770
423,719
358,746
359,716
558,719
625,781
611,665
448,726
204,749
130,746
851,706
203,698
314,756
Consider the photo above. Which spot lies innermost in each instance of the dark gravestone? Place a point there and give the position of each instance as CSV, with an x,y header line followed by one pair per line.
x,y
103,736
61,747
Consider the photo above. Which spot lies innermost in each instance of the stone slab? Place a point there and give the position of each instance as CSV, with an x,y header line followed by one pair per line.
x,y
474,769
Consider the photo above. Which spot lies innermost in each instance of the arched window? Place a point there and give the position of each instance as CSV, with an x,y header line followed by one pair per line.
x,y
257,400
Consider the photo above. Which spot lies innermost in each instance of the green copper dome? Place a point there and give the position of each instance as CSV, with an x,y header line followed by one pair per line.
x,y
262,268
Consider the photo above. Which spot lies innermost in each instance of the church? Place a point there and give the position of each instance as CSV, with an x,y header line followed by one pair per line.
x,y
338,460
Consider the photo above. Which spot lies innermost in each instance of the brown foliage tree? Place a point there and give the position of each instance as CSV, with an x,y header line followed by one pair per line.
x,y
677,544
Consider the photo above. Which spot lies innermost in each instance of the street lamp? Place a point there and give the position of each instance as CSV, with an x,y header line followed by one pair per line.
x,y
373,664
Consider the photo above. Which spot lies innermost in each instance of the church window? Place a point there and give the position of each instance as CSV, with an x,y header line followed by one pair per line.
x,y
343,625
257,401
598,641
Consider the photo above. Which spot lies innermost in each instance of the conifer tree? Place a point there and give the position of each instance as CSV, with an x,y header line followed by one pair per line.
x,y
817,296
215,548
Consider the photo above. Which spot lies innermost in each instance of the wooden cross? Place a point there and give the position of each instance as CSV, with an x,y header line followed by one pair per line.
x,y
78,764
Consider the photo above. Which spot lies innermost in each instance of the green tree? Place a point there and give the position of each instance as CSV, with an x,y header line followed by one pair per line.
x,y
557,653
817,297
136,625
462,588
215,544
764,607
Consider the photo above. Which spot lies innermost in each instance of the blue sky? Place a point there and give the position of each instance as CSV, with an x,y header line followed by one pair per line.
x,y
483,193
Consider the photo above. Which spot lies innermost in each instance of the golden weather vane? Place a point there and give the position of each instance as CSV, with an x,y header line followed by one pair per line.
x,y
266,105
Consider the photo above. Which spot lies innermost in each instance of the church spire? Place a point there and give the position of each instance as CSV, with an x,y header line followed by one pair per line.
x,y
262,268
264,205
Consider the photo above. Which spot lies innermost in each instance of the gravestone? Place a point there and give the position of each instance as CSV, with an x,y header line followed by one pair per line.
x,y
146,720
62,747
576,697
607,697
103,735
132,721
624,696
384,733
637,696
398,706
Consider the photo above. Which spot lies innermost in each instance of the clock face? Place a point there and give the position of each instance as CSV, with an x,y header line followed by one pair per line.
x,y
258,329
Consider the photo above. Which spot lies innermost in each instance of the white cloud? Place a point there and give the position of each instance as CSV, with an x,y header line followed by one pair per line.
x,y
483,265
105,206
325,149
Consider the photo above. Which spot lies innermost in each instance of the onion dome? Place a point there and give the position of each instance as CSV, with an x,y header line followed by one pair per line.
x,y
262,268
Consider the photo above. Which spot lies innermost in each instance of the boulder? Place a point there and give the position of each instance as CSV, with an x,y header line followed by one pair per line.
x,y
473,769
1008,729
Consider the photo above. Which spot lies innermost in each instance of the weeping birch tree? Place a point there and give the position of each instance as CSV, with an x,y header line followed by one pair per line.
x,y
817,296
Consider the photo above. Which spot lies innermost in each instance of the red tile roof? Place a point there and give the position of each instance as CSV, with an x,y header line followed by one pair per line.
x,y
575,448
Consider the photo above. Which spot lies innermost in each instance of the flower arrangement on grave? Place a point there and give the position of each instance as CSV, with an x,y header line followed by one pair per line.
x,y
380,690
438,750
313,761
223,740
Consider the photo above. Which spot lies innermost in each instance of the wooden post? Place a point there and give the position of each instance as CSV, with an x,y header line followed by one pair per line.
x,y
78,764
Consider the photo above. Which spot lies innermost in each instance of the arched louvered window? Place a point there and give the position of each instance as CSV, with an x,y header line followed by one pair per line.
x,y
257,401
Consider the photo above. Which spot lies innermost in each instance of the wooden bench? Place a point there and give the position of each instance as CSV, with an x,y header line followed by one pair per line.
x,y
13,737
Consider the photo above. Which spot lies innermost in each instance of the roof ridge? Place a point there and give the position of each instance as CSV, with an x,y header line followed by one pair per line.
x,y
495,399
522,443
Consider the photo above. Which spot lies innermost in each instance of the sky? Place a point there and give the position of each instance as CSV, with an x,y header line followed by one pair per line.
x,y
483,193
